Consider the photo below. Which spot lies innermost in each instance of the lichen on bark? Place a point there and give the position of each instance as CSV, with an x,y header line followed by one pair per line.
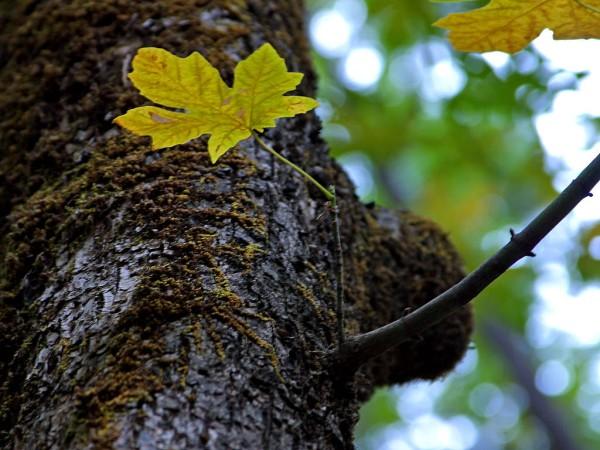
x,y
153,300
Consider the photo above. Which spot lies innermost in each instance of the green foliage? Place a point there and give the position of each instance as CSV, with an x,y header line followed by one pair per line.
x,y
379,412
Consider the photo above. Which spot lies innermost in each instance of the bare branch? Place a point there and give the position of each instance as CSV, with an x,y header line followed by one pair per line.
x,y
359,349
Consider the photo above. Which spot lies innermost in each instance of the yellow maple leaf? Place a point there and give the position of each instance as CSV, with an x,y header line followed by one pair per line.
x,y
229,115
509,25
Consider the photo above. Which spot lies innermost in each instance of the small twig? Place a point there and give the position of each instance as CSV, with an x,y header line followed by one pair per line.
x,y
359,349
339,288
332,197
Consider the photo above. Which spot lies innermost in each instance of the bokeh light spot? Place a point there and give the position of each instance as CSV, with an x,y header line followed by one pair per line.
x,y
552,378
330,33
594,248
362,68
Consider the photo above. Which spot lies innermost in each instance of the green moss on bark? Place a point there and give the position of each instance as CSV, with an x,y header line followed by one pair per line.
x,y
64,169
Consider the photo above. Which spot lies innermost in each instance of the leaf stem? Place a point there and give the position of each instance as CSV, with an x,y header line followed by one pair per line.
x,y
330,196
339,291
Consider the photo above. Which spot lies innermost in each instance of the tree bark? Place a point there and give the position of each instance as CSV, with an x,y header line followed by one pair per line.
x,y
152,300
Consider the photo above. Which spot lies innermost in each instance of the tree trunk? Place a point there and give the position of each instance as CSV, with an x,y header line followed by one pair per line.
x,y
152,300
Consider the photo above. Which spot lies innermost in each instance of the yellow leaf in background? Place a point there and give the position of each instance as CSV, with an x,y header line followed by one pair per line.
x,y
509,25
192,84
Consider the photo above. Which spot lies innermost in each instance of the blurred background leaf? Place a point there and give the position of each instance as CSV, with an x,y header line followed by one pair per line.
x,y
478,143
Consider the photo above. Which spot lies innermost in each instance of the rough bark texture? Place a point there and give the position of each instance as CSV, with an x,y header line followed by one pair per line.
x,y
152,300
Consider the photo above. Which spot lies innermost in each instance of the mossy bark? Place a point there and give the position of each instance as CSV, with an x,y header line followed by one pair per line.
x,y
153,300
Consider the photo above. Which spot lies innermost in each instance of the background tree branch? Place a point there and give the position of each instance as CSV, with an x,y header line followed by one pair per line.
x,y
515,356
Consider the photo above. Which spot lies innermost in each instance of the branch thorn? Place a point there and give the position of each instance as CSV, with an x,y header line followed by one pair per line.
x,y
514,237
